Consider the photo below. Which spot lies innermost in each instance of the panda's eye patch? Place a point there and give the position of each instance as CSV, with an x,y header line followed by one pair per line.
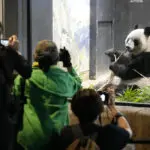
x,y
136,42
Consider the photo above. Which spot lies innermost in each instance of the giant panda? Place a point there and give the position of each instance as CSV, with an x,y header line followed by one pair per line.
x,y
133,67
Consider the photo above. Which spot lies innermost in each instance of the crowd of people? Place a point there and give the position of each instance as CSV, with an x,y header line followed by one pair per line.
x,y
34,104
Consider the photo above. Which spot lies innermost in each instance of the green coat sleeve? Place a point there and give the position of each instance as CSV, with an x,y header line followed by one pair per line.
x,y
17,86
74,82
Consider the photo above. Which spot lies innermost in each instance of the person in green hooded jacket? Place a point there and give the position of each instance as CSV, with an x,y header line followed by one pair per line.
x,y
46,110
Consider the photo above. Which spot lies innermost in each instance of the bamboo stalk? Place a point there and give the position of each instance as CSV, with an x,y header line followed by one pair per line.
x,y
112,73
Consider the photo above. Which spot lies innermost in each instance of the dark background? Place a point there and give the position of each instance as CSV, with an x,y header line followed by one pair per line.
x,y
110,22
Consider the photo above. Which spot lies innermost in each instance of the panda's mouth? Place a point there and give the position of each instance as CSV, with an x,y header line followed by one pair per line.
x,y
129,49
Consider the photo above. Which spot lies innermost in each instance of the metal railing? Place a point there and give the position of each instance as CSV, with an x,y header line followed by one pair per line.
x,y
139,141
127,104
133,104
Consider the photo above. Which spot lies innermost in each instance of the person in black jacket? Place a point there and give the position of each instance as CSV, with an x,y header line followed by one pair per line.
x,y
10,61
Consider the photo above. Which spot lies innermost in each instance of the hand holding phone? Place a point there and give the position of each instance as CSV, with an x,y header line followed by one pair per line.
x,y
13,42
109,93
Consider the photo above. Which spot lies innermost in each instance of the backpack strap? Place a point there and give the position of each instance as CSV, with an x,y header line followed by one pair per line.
x,y
23,85
23,100
84,141
94,136
77,132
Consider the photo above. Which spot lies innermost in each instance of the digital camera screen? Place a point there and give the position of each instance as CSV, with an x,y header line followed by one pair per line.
x,y
104,97
4,42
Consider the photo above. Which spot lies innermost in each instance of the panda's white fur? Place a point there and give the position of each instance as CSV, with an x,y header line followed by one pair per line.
x,y
141,82
143,46
144,41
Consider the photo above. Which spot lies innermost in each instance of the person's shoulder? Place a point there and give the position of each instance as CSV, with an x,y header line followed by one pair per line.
x,y
115,130
66,130
67,133
16,57
111,127
65,138
11,51
112,137
58,68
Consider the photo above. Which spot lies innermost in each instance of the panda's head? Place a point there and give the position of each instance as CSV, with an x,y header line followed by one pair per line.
x,y
138,40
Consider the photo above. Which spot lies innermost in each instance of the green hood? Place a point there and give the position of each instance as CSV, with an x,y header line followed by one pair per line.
x,y
46,110
56,81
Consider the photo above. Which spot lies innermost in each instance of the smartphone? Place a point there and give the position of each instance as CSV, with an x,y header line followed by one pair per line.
x,y
4,42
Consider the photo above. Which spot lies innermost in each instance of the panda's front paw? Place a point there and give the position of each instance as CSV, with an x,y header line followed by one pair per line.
x,y
112,54
112,66
118,69
115,68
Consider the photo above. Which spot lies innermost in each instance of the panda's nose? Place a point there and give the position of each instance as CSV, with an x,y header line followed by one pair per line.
x,y
128,48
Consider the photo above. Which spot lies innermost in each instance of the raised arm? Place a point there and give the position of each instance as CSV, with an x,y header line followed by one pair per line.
x,y
21,65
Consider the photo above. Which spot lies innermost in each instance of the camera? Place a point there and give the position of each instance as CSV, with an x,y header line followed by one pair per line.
x,y
62,52
3,46
104,97
3,42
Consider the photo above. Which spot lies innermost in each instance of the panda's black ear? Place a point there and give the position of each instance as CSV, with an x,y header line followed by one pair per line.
x,y
147,31
136,26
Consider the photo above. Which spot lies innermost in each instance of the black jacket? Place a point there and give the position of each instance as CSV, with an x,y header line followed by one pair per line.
x,y
110,137
11,61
